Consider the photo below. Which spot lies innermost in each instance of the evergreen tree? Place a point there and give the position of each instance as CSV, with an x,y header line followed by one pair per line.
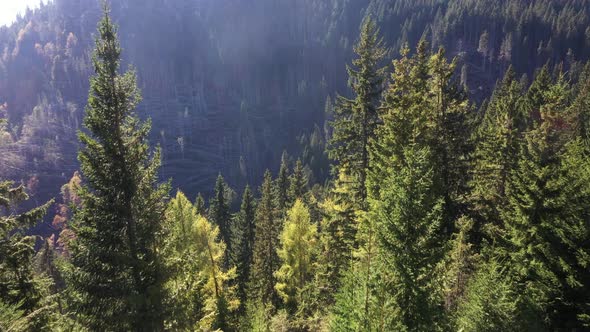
x,y
357,119
21,290
116,273
220,215
243,242
282,184
297,183
200,205
408,216
266,260
544,218
496,151
297,253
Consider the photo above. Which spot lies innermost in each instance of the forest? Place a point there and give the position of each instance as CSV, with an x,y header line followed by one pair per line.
x,y
313,165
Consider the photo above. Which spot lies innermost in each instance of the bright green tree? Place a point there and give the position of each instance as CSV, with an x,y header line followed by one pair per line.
x,y
297,254
116,275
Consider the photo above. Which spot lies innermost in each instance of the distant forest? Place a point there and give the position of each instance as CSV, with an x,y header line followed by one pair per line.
x,y
312,165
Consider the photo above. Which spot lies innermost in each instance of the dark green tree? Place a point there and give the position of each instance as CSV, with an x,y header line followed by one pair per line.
x,y
220,215
21,289
200,205
298,183
266,243
116,275
282,184
243,243
355,120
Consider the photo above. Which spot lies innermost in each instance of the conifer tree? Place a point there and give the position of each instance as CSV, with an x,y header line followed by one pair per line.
x,y
20,288
495,155
543,217
357,119
116,274
220,215
243,242
282,184
184,285
408,217
297,253
266,260
297,183
200,205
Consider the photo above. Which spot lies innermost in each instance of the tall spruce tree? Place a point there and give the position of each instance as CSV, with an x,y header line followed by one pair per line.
x,y
266,260
200,205
408,216
116,274
243,242
220,215
357,119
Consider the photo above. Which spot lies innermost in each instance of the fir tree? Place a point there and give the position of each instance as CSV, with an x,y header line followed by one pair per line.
x,y
266,260
117,273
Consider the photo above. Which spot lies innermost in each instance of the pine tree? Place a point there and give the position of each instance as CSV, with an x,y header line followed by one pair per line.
x,y
297,183
243,242
220,215
266,260
357,119
297,253
116,273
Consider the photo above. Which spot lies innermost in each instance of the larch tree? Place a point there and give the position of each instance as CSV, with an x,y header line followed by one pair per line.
x,y
116,275
297,253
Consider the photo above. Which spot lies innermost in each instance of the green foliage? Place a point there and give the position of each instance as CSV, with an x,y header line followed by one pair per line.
x,y
297,253
243,242
117,274
355,120
266,260
298,183
220,215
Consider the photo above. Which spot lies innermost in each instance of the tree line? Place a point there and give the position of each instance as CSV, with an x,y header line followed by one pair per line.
x,y
438,216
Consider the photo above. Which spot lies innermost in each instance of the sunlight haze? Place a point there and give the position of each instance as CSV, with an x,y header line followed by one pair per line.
x,y
10,8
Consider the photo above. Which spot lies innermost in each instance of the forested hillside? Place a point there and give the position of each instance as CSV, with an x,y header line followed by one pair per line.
x,y
229,85
313,165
